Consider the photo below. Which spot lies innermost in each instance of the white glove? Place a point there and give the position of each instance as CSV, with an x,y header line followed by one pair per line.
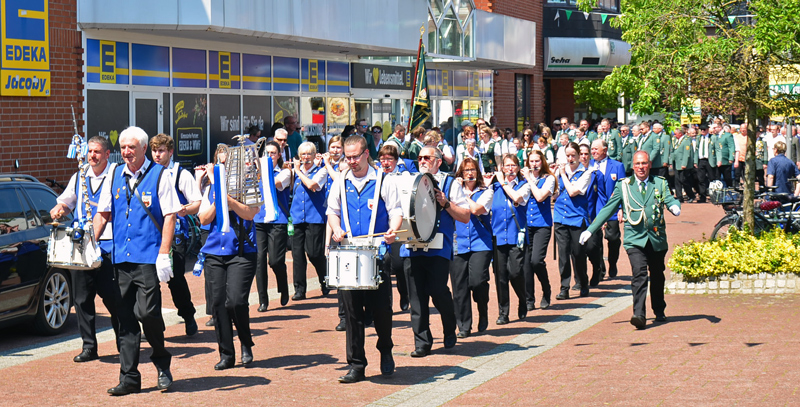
x,y
164,267
675,209
585,235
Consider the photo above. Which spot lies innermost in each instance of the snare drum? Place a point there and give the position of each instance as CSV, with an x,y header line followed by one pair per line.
x,y
420,210
63,252
353,268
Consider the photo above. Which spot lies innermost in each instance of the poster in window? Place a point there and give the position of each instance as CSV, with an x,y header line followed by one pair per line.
x,y
286,106
225,120
189,128
257,110
108,113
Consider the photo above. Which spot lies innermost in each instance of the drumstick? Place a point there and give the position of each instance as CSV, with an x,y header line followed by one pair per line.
x,y
379,234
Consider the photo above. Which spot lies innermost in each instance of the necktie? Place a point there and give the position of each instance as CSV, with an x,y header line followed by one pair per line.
x,y
642,188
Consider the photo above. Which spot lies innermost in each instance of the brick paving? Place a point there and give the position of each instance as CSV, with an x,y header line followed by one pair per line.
x,y
715,350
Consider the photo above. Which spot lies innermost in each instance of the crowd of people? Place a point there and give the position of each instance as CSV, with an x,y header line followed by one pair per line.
x,y
501,197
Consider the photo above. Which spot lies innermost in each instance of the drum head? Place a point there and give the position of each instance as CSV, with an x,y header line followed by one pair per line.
x,y
424,209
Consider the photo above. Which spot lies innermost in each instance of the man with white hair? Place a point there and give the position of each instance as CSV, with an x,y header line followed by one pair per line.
x,y
141,205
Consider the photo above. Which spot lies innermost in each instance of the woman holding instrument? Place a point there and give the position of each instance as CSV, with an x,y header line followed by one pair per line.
x,y
542,184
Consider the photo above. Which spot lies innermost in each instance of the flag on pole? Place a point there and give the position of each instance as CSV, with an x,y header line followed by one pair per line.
x,y
421,105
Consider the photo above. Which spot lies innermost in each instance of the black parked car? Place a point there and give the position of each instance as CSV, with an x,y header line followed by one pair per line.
x,y
30,290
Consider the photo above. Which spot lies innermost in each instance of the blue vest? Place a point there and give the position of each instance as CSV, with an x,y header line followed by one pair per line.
x,y
503,225
226,244
136,238
283,204
329,181
359,212
181,225
308,206
404,164
94,196
474,236
593,194
446,228
539,214
571,211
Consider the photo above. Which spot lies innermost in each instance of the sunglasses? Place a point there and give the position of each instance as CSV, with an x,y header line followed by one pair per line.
x,y
426,157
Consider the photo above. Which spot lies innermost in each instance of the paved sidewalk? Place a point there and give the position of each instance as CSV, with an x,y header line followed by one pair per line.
x,y
714,350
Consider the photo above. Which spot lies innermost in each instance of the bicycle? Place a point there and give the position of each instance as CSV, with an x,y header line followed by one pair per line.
x,y
772,210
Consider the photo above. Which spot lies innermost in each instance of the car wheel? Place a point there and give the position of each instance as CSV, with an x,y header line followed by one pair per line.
x,y
55,300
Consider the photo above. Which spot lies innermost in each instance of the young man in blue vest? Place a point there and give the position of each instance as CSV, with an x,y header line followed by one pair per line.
x,y
86,284
360,183
427,272
141,204
162,148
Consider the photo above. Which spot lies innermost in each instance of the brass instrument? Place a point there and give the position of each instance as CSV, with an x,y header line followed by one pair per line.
x,y
243,172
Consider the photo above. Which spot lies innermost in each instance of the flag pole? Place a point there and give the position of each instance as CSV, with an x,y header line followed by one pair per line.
x,y
414,82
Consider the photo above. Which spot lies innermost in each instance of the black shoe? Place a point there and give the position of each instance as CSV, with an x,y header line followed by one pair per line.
x,y
612,273
210,322
164,380
123,389
522,312
483,321
284,298
545,304
262,308
463,334
702,200
353,376
85,356
368,318
531,306
404,304
595,281
584,292
502,320
298,297
420,352
563,295
638,321
576,287
342,326
387,363
224,364
450,341
247,355
325,292
661,318
191,326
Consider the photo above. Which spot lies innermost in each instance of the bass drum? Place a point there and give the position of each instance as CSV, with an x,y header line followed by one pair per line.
x,y
420,209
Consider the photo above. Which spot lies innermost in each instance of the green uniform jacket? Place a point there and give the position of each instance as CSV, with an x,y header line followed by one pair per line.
x,y
712,149
652,144
629,147
401,148
683,156
666,148
726,148
592,135
413,149
647,213
614,142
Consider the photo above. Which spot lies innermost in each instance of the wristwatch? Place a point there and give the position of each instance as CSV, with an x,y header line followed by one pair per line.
x,y
446,204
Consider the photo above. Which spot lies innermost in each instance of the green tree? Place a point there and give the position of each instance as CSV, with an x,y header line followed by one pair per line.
x,y
719,51
596,98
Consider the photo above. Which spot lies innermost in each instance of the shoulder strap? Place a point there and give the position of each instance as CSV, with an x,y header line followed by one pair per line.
x,y
378,182
146,209
343,200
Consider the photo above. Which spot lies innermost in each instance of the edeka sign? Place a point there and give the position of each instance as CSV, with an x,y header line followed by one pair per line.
x,y
224,70
108,62
25,42
380,77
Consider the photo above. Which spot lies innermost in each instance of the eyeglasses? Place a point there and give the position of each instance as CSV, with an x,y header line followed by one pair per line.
x,y
470,170
426,157
377,131
280,140
364,125
355,158
387,159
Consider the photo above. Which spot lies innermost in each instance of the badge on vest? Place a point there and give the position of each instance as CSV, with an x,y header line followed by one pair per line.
x,y
147,199
614,177
370,203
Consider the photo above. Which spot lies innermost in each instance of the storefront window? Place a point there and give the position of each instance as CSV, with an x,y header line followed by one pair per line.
x,y
363,110
286,106
312,121
450,28
450,35
338,116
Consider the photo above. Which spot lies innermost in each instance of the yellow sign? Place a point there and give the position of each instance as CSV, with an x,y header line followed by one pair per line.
x,y
224,70
108,62
445,83
693,117
476,84
313,75
25,39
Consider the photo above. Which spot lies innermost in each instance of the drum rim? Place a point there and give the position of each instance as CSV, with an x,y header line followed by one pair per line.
x,y
412,210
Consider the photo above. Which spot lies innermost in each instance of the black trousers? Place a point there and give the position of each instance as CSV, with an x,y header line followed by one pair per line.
x,y
725,170
427,280
178,287
356,304
614,239
231,278
395,268
272,240
139,301
738,173
469,272
308,239
705,174
683,182
535,264
594,251
86,285
569,249
509,270
661,172
642,259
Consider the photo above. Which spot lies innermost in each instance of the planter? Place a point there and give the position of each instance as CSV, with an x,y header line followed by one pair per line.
x,y
738,283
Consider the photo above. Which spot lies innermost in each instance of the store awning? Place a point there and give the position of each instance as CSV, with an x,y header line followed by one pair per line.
x,y
584,54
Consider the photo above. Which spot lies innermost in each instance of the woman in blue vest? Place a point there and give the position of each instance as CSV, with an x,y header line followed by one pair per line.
x,y
571,217
230,266
308,219
509,202
542,184
469,270
272,238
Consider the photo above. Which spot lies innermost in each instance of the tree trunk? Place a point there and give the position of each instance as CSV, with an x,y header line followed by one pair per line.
x,y
750,168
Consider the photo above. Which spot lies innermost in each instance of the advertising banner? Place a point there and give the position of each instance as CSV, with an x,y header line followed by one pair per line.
x,y
189,113
25,39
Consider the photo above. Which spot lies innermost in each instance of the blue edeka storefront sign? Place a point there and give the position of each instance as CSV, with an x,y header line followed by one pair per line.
x,y
25,42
